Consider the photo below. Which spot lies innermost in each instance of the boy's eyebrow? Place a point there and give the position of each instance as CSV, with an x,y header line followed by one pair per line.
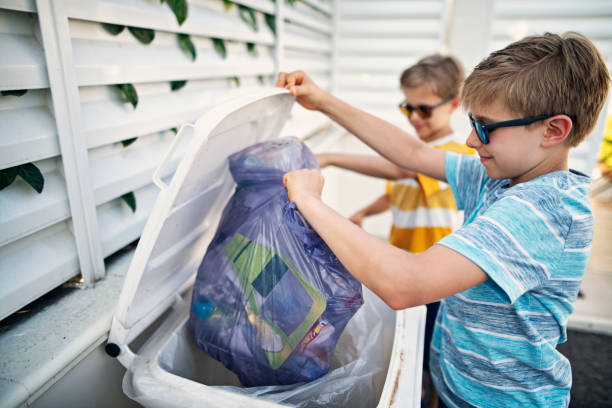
x,y
481,118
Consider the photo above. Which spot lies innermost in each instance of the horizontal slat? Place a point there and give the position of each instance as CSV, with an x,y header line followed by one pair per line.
x,y
552,8
116,170
34,265
323,6
591,27
106,119
24,211
106,62
386,99
298,15
202,21
389,46
19,5
265,6
390,9
390,28
119,225
369,82
387,65
28,131
302,38
22,63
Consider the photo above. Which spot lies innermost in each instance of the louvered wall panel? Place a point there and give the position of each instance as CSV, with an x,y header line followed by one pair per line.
x,y
35,227
37,247
514,19
377,41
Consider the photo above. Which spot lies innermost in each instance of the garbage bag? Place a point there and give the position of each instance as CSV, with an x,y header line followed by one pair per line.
x,y
270,299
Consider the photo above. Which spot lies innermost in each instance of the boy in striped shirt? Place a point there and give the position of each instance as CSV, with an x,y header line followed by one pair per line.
x,y
510,275
423,208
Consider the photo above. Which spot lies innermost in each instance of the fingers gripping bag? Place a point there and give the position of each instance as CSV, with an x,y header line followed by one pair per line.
x,y
270,299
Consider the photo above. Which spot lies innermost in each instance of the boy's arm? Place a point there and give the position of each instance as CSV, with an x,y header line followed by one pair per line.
x,y
400,278
381,204
369,165
399,147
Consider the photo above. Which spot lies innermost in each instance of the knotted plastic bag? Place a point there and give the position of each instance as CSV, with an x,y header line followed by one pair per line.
x,y
270,298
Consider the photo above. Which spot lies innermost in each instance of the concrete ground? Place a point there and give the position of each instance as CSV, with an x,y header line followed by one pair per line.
x,y
589,344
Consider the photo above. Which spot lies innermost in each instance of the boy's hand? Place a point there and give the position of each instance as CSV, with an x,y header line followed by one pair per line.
x,y
357,218
323,160
303,183
307,93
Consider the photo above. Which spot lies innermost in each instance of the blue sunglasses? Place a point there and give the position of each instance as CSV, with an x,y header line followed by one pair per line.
x,y
482,131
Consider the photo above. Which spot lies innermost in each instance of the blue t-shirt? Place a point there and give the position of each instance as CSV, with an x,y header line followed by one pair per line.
x,y
494,345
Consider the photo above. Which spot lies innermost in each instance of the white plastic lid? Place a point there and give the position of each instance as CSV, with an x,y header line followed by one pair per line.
x,y
187,211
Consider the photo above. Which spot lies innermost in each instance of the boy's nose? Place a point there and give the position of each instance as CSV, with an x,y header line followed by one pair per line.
x,y
472,140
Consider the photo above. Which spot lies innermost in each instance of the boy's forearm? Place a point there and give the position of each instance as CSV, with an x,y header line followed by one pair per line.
x,y
381,204
399,147
367,258
375,166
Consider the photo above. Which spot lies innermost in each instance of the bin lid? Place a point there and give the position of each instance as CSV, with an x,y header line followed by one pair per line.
x,y
187,211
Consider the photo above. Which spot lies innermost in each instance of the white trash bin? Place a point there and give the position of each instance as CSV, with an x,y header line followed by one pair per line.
x,y
169,370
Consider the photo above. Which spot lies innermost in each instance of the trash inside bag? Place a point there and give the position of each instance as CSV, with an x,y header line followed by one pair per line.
x,y
270,299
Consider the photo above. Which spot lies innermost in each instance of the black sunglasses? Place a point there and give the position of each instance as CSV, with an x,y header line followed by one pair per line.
x,y
424,111
482,131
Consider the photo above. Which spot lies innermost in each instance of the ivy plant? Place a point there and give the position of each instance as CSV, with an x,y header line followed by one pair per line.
x,y
248,16
236,80
128,142
176,85
261,80
144,35
14,92
251,49
113,29
185,43
28,172
128,94
179,8
219,45
270,20
130,200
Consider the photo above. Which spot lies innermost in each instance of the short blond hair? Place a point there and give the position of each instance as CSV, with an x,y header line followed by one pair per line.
x,y
544,75
442,75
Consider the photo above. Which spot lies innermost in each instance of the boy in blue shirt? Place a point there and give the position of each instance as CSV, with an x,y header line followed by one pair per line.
x,y
511,274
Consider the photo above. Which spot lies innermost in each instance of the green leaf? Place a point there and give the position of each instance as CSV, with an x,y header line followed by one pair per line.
x,y
248,16
144,35
128,94
220,47
130,200
251,49
32,176
14,92
236,80
179,8
271,23
128,142
176,85
261,80
7,176
228,4
113,29
185,43
175,130
291,2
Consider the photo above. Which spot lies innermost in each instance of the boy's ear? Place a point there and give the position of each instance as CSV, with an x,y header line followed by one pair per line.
x,y
455,102
557,128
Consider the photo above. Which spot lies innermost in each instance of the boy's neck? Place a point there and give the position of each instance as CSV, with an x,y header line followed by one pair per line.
x,y
438,134
555,163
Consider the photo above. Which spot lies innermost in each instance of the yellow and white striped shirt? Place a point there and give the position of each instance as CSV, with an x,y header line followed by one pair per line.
x,y
424,209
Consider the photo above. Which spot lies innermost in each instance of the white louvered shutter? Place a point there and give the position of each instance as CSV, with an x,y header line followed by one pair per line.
x,y
71,121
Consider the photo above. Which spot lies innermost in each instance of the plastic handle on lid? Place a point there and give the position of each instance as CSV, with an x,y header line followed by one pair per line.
x,y
157,175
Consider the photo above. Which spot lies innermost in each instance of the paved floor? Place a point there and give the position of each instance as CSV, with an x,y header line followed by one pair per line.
x,y
589,344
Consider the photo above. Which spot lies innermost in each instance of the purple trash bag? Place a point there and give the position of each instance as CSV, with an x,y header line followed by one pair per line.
x,y
270,298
